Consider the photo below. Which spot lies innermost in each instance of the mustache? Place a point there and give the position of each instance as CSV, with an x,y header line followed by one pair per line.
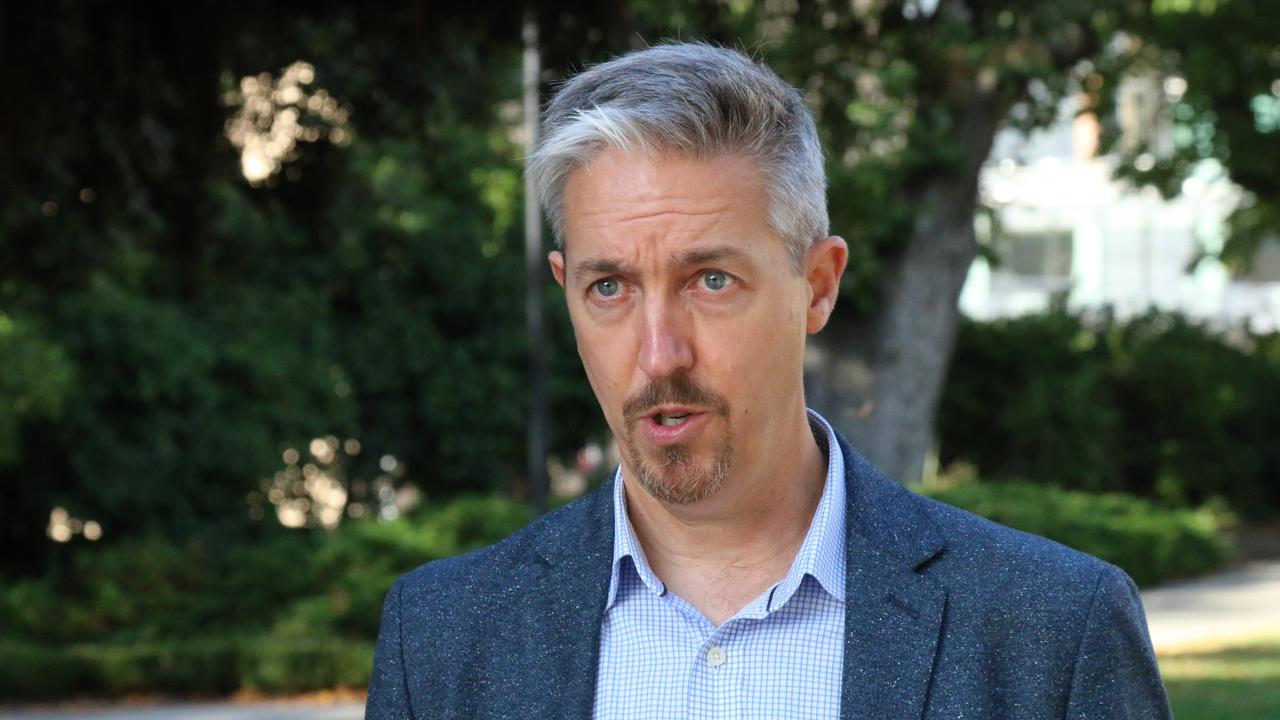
x,y
675,390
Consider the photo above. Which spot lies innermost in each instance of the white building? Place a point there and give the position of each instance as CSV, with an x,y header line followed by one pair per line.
x,y
1061,225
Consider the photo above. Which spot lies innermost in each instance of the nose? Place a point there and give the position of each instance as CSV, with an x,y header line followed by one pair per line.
x,y
666,347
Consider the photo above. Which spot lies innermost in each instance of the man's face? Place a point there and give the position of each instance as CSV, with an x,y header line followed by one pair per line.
x,y
689,316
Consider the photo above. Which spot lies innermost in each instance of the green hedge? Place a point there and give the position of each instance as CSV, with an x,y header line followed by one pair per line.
x,y
295,611
290,584
1151,543
1156,406
32,671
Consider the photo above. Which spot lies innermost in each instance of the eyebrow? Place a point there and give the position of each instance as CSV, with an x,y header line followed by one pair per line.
x,y
603,266
599,266
707,255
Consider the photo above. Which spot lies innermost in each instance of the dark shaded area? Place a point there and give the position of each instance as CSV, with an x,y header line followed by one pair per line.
x,y
171,329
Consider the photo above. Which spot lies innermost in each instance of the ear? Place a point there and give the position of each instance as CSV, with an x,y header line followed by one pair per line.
x,y
824,265
556,258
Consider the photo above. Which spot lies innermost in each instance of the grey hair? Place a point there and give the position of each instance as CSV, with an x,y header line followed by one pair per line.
x,y
690,99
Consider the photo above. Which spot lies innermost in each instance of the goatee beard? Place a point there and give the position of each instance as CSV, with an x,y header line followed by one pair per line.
x,y
678,479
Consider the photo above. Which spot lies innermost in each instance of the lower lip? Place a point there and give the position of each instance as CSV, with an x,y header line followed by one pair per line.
x,y
663,435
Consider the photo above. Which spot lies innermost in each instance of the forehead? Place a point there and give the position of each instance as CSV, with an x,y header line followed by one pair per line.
x,y
629,202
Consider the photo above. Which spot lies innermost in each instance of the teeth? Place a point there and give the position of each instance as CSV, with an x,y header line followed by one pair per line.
x,y
670,420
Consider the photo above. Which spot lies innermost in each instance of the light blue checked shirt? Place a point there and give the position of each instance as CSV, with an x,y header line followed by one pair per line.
x,y
781,656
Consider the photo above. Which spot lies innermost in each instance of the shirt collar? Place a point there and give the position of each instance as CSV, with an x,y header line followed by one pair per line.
x,y
821,554
626,546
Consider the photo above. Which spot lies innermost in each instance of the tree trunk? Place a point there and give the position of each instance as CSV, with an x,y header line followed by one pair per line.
x,y
878,378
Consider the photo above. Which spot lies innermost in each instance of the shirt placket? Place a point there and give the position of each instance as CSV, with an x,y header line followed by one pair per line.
x,y
715,674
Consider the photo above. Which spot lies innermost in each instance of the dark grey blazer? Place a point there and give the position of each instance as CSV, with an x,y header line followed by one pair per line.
x,y
947,615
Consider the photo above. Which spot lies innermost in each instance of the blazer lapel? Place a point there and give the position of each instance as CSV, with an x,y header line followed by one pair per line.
x,y
565,614
893,614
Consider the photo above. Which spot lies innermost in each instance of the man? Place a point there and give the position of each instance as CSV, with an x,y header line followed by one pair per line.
x,y
744,560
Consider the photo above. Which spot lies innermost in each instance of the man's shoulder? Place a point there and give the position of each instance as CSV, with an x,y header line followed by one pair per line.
x,y
494,568
1043,620
981,540
965,552
994,564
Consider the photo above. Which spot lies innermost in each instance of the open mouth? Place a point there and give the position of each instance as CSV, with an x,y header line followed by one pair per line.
x,y
664,426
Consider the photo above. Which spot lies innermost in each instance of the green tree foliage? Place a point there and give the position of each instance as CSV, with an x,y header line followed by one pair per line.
x,y
908,94
1223,60
36,382
170,327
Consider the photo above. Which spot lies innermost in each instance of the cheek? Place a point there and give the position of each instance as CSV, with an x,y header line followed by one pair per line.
x,y
765,359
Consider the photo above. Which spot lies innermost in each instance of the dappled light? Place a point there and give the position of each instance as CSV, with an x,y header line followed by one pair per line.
x,y
1266,111
314,488
274,114
63,527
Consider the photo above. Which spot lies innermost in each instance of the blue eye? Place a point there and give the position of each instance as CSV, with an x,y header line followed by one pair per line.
x,y
715,281
607,287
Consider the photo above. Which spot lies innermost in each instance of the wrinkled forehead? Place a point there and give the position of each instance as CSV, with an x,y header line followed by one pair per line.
x,y
627,201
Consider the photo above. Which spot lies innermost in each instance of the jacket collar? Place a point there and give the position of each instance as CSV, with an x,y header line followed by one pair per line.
x,y
893,613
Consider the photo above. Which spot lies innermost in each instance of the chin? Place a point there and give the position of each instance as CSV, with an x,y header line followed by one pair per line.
x,y
675,475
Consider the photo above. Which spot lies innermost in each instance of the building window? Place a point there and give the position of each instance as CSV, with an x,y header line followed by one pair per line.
x,y
1045,253
1266,264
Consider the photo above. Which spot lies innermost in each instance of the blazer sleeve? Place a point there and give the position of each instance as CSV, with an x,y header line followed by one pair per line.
x,y
388,689
1115,673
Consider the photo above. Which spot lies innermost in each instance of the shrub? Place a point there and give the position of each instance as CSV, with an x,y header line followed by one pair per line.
x,y
291,584
354,567
301,665
1151,543
293,612
30,671
187,667
1030,397
1201,415
150,588
1157,406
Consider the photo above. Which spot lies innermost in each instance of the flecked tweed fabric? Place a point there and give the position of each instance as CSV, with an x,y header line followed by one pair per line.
x,y
778,657
947,615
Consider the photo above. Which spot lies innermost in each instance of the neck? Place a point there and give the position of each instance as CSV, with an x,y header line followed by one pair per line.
x,y
720,553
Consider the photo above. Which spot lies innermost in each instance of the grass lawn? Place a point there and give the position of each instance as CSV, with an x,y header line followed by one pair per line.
x,y
1239,682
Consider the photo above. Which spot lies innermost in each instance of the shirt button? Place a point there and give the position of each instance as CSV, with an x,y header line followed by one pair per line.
x,y
716,656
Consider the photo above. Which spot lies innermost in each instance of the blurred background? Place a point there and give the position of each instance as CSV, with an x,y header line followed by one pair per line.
x,y
269,336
